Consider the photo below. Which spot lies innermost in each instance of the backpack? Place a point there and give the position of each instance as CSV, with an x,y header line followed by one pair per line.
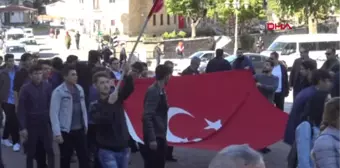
x,y
335,138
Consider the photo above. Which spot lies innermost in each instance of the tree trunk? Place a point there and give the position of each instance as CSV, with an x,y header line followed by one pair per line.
x,y
312,25
194,24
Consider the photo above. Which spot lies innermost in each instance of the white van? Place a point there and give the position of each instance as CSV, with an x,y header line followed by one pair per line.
x,y
14,34
288,46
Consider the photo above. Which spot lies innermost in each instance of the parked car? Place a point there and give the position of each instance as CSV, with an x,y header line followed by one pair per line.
x,y
257,60
205,57
31,45
16,49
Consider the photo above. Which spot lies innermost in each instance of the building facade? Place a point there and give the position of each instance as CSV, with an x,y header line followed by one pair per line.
x,y
110,16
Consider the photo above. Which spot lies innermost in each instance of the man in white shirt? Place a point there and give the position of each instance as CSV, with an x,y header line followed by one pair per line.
x,y
280,71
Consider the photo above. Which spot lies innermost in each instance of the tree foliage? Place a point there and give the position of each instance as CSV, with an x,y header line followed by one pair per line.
x,y
223,11
315,8
194,9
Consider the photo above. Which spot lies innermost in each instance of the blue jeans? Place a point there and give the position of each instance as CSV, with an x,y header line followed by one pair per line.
x,y
110,159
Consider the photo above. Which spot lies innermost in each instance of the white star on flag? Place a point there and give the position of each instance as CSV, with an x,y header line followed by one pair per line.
x,y
213,125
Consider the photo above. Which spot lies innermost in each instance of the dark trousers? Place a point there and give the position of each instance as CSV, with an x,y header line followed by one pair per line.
x,y
279,100
1,161
74,140
133,145
38,144
11,124
154,158
92,147
158,60
68,45
77,44
169,152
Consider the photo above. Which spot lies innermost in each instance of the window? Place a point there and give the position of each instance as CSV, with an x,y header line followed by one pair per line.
x,y
280,46
175,19
95,4
112,1
311,46
161,16
154,20
255,58
168,19
208,56
81,1
331,44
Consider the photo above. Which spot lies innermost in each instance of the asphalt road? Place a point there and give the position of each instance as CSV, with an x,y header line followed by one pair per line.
x,y
187,158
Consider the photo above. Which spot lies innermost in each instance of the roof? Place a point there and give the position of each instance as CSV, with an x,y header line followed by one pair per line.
x,y
15,8
308,37
14,43
15,31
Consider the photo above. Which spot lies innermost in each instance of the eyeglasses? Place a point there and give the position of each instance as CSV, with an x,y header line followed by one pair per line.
x,y
328,53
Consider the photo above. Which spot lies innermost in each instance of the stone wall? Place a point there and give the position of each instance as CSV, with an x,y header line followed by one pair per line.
x,y
190,46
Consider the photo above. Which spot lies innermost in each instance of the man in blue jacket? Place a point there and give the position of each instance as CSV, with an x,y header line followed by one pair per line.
x,y
33,114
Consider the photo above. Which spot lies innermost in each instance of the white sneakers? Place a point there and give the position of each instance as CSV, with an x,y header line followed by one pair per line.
x,y
16,147
8,143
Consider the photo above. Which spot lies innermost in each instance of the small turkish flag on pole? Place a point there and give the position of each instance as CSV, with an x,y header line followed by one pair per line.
x,y
156,7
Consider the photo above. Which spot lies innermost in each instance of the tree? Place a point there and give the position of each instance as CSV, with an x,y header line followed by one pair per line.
x,y
193,9
224,12
312,9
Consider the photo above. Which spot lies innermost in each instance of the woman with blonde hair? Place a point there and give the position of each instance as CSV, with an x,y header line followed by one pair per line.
x,y
326,150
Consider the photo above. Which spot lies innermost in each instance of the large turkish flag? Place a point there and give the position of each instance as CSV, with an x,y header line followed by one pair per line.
x,y
211,111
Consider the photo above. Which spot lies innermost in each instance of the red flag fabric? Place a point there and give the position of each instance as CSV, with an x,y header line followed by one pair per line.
x,y
156,7
211,111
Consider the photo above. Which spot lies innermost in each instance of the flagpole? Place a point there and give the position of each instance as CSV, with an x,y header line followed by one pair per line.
x,y
137,41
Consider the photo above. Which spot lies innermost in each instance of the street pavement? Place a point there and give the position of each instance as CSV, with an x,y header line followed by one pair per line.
x,y
187,158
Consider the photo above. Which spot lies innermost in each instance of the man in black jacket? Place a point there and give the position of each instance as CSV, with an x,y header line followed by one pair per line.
x,y
218,63
155,120
112,136
192,69
157,53
280,71
295,77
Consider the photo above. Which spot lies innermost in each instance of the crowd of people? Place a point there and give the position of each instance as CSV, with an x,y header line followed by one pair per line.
x,y
79,105
48,100
314,120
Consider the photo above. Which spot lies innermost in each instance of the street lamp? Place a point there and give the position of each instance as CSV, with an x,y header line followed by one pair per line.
x,y
236,5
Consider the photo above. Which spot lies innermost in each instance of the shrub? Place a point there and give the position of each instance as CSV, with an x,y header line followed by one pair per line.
x,y
247,42
106,37
173,34
181,34
166,35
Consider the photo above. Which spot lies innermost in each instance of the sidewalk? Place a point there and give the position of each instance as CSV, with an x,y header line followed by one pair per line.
x,y
86,44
